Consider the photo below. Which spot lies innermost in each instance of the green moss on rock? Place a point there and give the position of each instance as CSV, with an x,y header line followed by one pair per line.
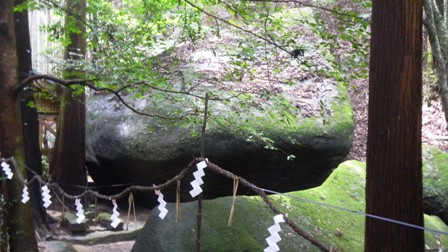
x,y
343,230
432,240
340,229
435,176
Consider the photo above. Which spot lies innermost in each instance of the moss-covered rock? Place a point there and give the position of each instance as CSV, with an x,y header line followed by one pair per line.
x,y
104,220
343,230
260,116
435,177
257,143
69,222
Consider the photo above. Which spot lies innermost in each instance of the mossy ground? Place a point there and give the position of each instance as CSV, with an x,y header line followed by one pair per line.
x,y
435,172
336,227
339,228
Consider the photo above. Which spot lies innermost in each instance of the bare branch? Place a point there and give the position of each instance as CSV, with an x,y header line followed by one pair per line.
x,y
77,17
307,4
236,26
169,90
88,83
263,38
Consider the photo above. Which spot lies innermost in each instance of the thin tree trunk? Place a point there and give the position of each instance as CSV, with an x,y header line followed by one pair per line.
x,y
394,175
435,22
30,121
19,217
443,89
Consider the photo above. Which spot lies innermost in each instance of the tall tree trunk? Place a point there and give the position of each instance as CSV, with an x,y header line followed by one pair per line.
x,y
30,121
68,159
33,161
19,218
394,175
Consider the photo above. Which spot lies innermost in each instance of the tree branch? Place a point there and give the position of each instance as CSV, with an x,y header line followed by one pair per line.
x,y
87,83
50,3
237,27
263,38
306,4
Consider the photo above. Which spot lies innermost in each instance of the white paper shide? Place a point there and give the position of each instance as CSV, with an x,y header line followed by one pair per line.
x,y
79,211
46,198
25,195
114,217
7,170
197,182
162,205
274,238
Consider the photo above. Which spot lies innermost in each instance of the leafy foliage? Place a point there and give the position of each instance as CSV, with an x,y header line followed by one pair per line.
x,y
157,48
346,37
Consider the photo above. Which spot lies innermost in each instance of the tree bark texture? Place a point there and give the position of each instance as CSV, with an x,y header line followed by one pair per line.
x,y
33,161
436,24
68,159
394,174
19,217
30,121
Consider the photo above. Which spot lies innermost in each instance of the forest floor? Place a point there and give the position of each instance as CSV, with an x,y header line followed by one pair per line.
x,y
434,127
97,238
433,130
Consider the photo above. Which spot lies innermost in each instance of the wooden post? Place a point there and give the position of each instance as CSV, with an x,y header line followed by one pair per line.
x,y
199,216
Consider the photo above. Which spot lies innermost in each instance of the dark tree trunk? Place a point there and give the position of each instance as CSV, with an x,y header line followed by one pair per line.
x,y
68,159
394,175
30,121
33,161
19,217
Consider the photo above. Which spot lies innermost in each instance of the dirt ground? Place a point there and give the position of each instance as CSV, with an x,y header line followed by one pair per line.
x,y
97,238
434,128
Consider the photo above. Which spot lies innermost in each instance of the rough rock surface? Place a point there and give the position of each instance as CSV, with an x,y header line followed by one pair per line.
x,y
264,107
342,230
125,148
435,177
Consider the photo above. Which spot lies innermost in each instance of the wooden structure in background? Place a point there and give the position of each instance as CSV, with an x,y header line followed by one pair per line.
x,y
47,115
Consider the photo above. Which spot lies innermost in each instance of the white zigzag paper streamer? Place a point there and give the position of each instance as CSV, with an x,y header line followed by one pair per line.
x,y
162,205
275,237
25,194
46,198
115,214
79,211
7,170
197,182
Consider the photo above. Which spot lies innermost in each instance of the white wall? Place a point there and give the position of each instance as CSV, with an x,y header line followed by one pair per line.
x,y
42,49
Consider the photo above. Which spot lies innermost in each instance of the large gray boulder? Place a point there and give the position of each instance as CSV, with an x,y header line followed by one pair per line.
x,y
126,148
258,118
342,230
